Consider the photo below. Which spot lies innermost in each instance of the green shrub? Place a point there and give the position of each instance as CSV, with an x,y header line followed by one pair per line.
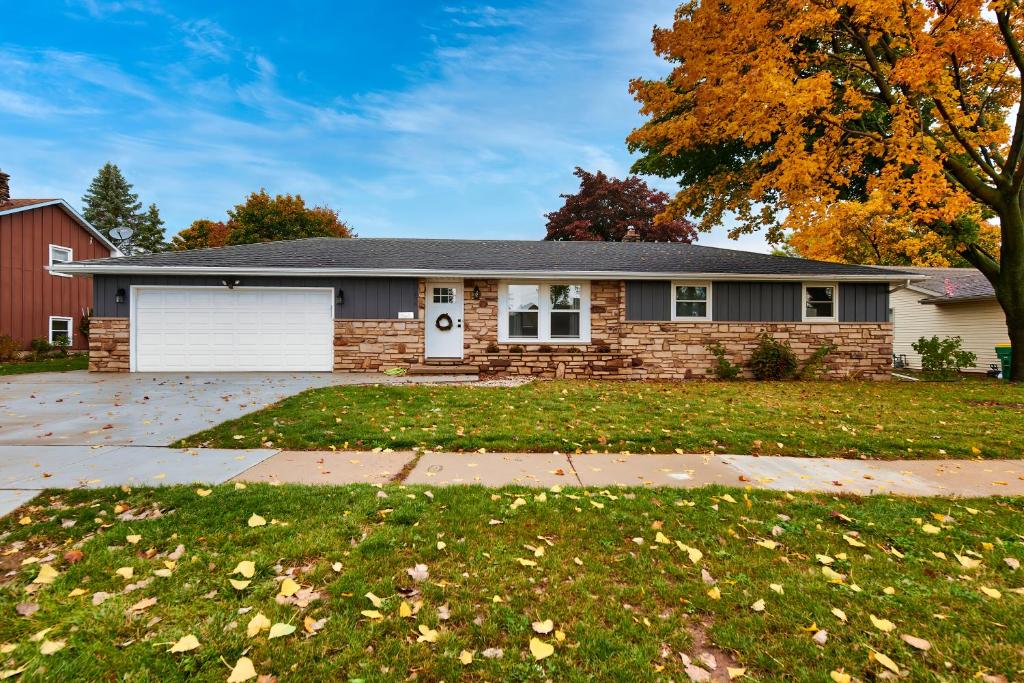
x,y
723,367
62,345
814,366
8,348
772,359
943,358
40,347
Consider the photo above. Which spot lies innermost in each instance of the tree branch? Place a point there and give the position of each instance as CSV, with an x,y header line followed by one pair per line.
x,y
1013,158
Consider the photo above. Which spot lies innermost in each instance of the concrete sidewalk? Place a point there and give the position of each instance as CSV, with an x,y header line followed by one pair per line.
x,y
26,470
968,478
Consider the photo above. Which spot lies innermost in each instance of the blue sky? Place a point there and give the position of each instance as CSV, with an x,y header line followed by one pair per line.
x,y
410,118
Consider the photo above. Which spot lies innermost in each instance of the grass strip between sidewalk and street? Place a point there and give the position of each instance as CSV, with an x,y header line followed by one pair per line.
x,y
889,420
456,583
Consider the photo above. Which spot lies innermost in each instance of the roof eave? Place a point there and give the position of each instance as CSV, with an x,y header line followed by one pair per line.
x,y
114,251
128,269
940,300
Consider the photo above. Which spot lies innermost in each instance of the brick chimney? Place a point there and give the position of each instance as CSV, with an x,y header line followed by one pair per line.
x,y
631,235
5,187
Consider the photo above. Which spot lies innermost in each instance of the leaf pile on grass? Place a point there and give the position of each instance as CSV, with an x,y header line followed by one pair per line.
x,y
322,583
887,420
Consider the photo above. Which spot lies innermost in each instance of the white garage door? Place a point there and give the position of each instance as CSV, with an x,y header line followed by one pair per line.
x,y
220,329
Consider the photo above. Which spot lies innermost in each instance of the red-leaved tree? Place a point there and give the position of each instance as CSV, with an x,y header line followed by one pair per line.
x,y
604,208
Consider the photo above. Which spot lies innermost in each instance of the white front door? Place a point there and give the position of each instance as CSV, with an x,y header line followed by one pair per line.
x,y
443,321
190,329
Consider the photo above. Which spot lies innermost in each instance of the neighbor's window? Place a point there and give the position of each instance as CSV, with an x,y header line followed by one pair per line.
x,y
60,254
60,328
692,301
544,312
444,295
819,302
565,311
524,311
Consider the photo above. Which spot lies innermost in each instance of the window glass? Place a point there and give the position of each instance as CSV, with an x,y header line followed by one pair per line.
x,y
819,302
691,301
565,311
59,255
523,311
59,329
444,295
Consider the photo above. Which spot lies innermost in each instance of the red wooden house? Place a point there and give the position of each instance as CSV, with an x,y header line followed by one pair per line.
x,y
34,234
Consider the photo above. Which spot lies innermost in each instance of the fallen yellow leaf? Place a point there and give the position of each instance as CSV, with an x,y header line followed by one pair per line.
x,y
46,574
289,588
243,671
246,568
185,643
539,649
256,520
280,630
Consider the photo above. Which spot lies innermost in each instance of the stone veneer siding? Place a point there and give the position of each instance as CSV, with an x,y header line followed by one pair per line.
x,y
109,345
367,345
676,350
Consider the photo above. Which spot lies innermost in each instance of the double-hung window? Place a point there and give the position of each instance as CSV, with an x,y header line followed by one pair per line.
x,y
819,302
691,301
544,312
58,255
60,328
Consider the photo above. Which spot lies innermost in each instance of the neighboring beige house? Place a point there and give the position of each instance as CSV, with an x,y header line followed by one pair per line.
x,y
951,302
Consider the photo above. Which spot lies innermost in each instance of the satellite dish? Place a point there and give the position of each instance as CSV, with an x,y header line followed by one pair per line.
x,y
121,234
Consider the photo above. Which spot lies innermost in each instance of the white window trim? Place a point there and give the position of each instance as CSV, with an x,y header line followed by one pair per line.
x,y
835,303
544,313
71,327
690,318
71,257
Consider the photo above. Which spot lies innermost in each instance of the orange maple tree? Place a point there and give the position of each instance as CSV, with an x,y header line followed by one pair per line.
x,y
774,111
873,232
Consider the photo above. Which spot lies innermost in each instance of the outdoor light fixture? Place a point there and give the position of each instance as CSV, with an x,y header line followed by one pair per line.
x,y
230,283
119,297
341,297
476,292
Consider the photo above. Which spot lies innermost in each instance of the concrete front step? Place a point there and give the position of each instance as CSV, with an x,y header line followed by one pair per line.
x,y
444,369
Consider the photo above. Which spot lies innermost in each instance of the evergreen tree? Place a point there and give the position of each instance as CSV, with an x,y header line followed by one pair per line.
x,y
110,203
149,236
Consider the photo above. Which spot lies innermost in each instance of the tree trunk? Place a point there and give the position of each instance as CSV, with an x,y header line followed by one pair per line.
x,y
1007,278
1016,329
1009,284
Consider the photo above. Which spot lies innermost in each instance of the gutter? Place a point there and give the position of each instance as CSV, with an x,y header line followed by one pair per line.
x,y
127,269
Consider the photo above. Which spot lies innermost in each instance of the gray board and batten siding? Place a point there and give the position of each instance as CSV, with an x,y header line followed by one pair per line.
x,y
364,298
735,301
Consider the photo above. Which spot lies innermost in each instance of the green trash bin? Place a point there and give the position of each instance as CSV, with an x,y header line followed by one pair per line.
x,y
1004,353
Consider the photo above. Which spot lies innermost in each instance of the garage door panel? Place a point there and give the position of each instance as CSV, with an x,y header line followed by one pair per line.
x,y
198,329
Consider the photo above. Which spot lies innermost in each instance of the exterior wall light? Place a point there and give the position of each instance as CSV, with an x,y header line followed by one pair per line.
x,y
476,291
341,297
230,283
119,296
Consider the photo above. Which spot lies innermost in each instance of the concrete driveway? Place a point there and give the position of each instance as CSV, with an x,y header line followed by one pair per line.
x,y
90,429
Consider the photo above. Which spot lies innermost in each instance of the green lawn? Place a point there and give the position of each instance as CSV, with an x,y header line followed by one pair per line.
x,y
875,419
613,571
72,362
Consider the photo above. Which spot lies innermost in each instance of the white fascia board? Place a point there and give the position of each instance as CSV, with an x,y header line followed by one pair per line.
x,y
114,251
114,269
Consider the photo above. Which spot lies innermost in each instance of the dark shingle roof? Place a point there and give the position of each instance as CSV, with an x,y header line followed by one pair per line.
x,y
22,203
963,284
488,256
